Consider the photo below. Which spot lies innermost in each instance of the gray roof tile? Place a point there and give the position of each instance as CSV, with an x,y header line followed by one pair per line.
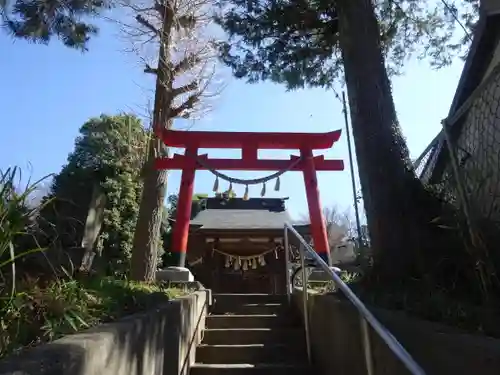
x,y
240,219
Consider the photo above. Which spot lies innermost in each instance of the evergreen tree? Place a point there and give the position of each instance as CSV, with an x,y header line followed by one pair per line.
x,y
40,21
108,153
313,44
297,42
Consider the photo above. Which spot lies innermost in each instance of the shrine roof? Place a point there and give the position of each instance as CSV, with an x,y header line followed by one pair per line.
x,y
238,214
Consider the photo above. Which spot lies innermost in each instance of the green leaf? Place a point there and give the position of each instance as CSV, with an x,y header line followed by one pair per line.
x,y
77,317
70,320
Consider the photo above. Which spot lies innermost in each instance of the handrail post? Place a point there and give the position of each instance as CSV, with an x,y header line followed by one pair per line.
x,y
287,267
304,302
367,347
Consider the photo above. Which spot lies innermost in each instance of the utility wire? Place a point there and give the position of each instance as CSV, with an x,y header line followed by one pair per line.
x,y
453,12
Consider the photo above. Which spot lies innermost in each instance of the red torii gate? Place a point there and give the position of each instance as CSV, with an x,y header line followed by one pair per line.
x,y
249,143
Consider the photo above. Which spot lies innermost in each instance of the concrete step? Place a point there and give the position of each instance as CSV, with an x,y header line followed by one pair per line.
x,y
251,353
230,308
251,334
248,321
250,369
240,336
249,298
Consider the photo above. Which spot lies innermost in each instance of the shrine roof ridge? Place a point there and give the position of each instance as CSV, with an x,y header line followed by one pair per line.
x,y
239,214
234,219
263,204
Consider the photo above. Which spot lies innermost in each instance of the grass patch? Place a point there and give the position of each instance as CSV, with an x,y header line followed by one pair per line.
x,y
37,313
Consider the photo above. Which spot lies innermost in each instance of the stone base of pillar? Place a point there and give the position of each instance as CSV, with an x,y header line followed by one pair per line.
x,y
174,274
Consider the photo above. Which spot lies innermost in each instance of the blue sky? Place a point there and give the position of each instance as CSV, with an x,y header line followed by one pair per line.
x,y
48,92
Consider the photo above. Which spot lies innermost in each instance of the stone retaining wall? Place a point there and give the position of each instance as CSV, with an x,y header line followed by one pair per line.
x,y
157,342
337,346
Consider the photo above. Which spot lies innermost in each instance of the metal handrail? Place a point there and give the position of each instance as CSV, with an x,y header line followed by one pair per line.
x,y
366,316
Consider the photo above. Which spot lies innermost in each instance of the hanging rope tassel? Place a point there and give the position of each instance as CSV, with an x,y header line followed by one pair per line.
x,y
277,186
245,197
262,261
216,185
263,191
254,264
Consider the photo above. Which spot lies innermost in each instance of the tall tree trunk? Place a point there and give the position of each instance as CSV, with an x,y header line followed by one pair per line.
x,y
147,233
148,229
391,192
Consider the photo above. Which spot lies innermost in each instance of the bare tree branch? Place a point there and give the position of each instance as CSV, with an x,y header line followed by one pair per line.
x,y
187,63
185,106
150,70
185,89
144,22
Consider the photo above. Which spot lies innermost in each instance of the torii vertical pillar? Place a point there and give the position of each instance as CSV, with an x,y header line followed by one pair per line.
x,y
184,205
318,227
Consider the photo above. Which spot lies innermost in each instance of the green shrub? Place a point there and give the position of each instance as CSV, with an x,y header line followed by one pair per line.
x,y
34,310
42,313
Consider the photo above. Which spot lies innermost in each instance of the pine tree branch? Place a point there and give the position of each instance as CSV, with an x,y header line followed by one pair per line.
x,y
453,12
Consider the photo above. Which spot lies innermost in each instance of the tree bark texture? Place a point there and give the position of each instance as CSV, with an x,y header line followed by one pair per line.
x,y
391,192
147,233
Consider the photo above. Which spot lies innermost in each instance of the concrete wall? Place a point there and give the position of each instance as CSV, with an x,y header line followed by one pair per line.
x,y
337,346
157,342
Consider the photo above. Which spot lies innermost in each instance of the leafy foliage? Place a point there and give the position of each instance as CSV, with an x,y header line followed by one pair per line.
x,y
108,153
40,21
296,42
17,220
41,313
34,310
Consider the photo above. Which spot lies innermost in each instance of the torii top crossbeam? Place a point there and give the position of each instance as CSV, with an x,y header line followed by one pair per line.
x,y
277,141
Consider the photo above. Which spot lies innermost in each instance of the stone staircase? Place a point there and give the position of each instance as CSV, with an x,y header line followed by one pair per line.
x,y
251,334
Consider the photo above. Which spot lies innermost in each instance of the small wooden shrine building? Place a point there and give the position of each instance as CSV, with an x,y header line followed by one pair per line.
x,y
236,245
